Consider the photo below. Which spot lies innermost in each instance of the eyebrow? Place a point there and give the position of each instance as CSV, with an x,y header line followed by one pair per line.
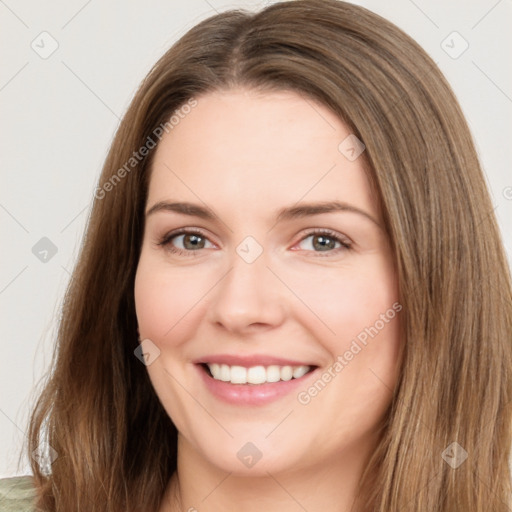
x,y
284,214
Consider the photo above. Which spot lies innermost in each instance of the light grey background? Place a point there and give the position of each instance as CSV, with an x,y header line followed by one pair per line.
x,y
60,113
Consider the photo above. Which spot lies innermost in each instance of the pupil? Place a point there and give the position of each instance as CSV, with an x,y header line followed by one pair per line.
x,y
323,245
194,241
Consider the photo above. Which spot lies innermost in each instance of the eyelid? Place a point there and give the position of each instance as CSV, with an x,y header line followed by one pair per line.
x,y
345,242
166,239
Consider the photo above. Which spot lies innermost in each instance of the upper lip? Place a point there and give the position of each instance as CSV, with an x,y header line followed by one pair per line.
x,y
250,360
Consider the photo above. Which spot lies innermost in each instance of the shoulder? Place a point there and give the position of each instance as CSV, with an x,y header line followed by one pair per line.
x,y
17,494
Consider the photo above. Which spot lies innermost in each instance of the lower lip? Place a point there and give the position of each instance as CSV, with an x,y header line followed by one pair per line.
x,y
252,394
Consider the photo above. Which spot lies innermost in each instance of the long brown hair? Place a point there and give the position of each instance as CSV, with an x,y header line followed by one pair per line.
x,y
116,445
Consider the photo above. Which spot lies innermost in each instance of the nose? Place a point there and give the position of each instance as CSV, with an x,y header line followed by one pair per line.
x,y
249,298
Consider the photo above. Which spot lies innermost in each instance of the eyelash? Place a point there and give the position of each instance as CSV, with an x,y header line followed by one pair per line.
x,y
166,241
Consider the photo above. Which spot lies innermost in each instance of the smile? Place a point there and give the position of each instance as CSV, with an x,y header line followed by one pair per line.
x,y
256,385
255,374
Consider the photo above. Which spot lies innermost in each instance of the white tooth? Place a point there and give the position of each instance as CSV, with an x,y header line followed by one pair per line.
x,y
286,373
256,375
225,373
299,371
215,370
273,373
238,375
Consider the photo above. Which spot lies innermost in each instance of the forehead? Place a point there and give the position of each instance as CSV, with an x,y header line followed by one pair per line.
x,y
255,150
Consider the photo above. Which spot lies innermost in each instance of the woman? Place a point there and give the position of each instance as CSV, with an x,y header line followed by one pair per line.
x,y
292,292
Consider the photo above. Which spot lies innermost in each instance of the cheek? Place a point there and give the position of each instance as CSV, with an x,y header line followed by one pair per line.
x,y
166,300
343,302
356,316
363,313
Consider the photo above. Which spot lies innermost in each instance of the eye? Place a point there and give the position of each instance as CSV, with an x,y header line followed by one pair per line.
x,y
325,241
188,241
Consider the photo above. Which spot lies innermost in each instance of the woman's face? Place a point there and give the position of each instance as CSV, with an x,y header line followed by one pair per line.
x,y
284,263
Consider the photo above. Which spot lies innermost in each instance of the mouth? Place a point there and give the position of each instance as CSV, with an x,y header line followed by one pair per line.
x,y
250,386
255,375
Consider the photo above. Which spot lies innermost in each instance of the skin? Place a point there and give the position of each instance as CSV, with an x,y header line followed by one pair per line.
x,y
245,155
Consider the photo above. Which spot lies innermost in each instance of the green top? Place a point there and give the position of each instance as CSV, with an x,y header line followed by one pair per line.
x,y
17,494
